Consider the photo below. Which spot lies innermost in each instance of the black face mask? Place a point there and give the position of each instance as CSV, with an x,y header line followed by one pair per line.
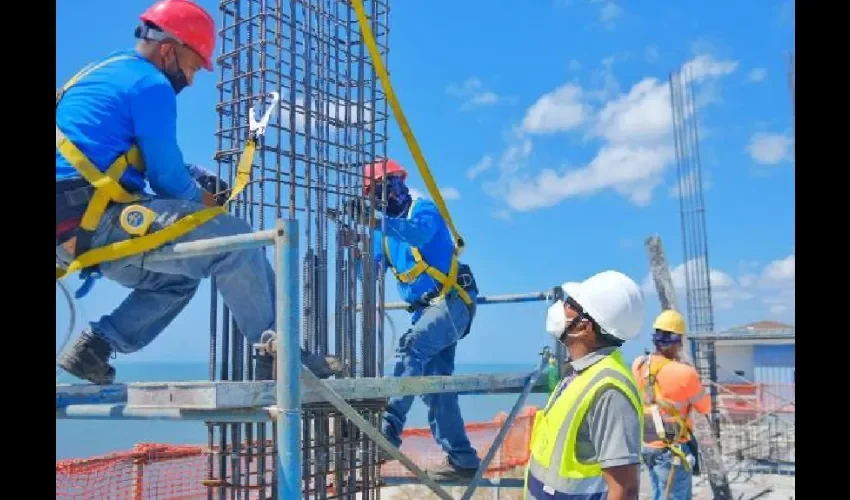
x,y
178,80
177,77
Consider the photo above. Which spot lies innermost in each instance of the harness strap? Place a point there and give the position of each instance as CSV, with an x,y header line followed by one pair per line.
x,y
448,282
654,403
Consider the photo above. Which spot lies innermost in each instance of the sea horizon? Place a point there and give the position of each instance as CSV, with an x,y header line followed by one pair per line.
x,y
89,438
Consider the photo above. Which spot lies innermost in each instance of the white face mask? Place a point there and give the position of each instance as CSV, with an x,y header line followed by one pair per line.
x,y
556,319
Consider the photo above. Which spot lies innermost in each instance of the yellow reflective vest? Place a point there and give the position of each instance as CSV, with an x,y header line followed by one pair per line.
x,y
554,471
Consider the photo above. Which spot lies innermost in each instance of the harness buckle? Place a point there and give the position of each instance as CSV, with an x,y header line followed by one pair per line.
x,y
258,128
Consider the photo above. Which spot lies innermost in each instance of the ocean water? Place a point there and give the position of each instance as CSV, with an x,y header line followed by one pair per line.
x,y
86,438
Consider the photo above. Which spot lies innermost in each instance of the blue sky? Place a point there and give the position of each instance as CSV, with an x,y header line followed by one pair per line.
x,y
548,129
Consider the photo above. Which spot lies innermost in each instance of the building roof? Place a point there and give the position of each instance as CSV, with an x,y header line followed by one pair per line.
x,y
759,330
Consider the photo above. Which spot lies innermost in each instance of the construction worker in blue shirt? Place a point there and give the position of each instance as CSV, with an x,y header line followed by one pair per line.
x,y
123,105
419,250
586,441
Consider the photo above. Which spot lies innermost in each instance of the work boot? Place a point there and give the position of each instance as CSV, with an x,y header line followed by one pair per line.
x,y
88,359
321,366
448,472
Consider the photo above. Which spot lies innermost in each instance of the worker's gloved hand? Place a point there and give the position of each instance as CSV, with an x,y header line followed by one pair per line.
x,y
358,210
209,182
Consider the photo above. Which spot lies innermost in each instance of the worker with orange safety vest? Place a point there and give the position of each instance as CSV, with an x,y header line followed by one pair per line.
x,y
417,246
670,389
116,131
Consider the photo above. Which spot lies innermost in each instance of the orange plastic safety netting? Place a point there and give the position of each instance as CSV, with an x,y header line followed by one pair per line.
x,y
175,472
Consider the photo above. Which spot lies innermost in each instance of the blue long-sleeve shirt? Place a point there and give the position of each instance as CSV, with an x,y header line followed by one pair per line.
x,y
125,102
424,228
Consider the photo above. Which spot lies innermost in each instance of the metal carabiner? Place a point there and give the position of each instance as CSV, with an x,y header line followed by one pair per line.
x,y
257,128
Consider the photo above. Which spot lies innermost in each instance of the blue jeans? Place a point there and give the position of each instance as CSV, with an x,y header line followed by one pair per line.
x,y
659,463
161,290
428,348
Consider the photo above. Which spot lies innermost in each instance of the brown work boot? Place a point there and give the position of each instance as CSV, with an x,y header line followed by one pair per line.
x,y
88,359
448,472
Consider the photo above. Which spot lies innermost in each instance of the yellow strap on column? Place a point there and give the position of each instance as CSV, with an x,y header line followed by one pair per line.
x,y
407,132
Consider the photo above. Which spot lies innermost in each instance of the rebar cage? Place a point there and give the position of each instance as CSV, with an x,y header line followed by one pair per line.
x,y
332,121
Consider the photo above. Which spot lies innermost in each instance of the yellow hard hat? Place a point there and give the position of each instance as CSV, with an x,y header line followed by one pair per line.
x,y
670,321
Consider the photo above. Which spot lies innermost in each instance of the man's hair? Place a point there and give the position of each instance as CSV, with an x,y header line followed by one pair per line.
x,y
605,339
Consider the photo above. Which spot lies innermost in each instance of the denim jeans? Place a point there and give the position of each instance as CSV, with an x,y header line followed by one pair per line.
x,y
428,348
162,289
659,462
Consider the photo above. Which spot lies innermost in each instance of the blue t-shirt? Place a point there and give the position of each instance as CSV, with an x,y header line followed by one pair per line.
x,y
125,102
423,227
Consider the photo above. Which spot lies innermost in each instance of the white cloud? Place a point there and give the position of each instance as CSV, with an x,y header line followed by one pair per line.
x,y
473,94
448,193
609,13
643,115
628,169
635,130
705,66
757,75
770,149
767,294
558,111
782,270
483,165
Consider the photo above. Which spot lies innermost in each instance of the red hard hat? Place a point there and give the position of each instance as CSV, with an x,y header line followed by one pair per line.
x,y
381,169
187,21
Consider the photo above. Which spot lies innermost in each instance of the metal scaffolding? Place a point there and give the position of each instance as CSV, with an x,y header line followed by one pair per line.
x,y
300,461
278,439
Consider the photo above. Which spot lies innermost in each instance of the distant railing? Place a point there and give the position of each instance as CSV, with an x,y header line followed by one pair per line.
x,y
756,398
758,427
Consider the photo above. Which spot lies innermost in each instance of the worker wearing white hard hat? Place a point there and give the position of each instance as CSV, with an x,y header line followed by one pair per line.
x,y
586,442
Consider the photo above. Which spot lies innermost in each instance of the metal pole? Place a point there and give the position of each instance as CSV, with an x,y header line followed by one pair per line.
x,y
214,246
514,298
340,404
126,412
288,333
503,432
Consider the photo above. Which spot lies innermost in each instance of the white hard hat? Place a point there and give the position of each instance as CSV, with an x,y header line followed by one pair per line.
x,y
611,298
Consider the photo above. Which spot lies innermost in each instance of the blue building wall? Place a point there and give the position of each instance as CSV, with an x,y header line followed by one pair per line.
x,y
774,364
775,371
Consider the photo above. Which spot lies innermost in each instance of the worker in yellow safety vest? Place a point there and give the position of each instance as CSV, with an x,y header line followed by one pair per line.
x,y
671,389
586,442
116,132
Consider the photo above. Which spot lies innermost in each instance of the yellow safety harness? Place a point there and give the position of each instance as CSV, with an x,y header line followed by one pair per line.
x,y
448,282
107,189
421,266
654,404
